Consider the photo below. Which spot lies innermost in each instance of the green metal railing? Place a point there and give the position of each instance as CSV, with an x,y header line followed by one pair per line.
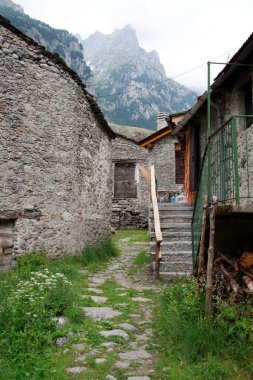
x,y
226,170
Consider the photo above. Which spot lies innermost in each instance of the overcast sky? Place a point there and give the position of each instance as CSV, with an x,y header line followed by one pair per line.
x,y
185,33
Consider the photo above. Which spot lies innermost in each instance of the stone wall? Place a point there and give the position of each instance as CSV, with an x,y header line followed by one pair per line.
x,y
131,212
225,104
55,152
162,156
245,165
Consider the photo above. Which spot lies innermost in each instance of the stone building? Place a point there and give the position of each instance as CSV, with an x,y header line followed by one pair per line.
x,y
131,194
166,154
224,157
55,154
133,154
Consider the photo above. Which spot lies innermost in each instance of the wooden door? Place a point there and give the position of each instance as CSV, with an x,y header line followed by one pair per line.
x,y
6,243
124,181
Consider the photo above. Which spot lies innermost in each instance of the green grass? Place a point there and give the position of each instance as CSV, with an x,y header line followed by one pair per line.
x,y
193,348
133,236
99,253
30,296
142,259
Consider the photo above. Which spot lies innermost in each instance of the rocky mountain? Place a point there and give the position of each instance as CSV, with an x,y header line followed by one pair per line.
x,y
55,40
119,65
115,64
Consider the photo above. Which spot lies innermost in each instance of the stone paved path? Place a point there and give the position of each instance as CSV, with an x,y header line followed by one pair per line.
x,y
124,320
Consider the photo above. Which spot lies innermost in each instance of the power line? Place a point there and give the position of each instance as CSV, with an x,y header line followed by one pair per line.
x,y
165,80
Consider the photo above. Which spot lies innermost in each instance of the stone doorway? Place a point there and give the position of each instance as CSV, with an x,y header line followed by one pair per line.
x,y
6,243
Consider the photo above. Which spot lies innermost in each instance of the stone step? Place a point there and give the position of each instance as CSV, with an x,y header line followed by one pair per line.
x,y
173,206
173,235
173,275
170,226
179,266
180,218
174,256
172,246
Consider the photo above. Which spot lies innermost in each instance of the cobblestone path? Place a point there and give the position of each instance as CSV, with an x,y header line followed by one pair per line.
x,y
121,306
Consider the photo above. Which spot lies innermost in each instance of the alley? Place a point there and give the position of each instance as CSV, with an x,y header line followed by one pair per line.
x,y
119,301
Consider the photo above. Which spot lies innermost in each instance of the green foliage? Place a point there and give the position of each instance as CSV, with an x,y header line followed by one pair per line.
x,y
30,296
99,253
31,261
236,318
217,349
27,330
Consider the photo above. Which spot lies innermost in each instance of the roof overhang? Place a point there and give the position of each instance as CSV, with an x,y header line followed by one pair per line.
x,y
155,136
239,57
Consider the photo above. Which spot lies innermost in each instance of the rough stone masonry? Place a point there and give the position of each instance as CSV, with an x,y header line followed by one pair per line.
x,y
55,154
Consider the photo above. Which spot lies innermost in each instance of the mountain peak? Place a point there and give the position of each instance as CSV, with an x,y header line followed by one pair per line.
x,y
10,4
120,66
127,29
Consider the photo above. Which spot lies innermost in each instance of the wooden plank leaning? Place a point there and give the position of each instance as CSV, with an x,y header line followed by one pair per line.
x,y
158,233
203,239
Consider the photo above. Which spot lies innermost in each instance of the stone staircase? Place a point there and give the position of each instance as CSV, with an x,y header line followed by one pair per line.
x,y
175,220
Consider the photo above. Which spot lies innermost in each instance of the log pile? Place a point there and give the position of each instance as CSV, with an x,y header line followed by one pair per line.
x,y
222,274
236,274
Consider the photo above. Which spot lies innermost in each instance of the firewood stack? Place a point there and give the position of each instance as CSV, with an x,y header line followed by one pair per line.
x,y
236,274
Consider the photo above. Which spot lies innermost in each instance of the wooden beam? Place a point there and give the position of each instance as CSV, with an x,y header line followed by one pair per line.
x,y
155,138
202,239
158,232
209,272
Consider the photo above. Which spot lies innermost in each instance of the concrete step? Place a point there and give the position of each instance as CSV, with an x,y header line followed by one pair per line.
x,y
172,246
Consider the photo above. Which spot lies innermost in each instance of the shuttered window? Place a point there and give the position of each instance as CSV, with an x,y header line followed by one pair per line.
x,y
125,185
179,158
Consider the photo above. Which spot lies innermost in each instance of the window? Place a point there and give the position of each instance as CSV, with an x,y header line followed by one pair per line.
x,y
125,185
179,160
